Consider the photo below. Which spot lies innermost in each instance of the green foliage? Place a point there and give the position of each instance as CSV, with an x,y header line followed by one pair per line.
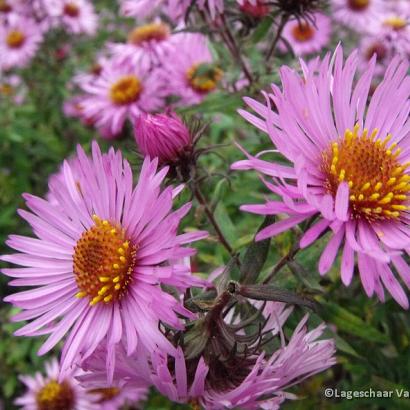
x,y
372,338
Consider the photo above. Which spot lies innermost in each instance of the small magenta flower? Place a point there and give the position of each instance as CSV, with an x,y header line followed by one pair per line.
x,y
142,9
120,92
20,40
191,73
162,136
149,45
360,15
12,89
307,36
123,390
377,46
76,16
254,8
394,26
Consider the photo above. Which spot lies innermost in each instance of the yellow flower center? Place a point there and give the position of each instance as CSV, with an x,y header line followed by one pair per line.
x,y
358,5
15,39
55,396
204,77
6,89
378,183
5,7
303,31
126,90
396,23
106,393
149,32
104,260
194,404
71,9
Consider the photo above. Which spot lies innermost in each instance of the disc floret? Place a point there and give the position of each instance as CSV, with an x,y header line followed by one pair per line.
x,y
378,182
204,77
55,396
15,39
104,260
149,32
126,90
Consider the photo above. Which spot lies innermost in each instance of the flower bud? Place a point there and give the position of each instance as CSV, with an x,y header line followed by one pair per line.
x,y
256,9
162,135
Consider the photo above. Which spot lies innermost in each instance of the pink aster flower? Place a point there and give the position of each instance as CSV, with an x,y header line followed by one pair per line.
x,y
6,8
147,45
123,391
264,387
379,47
306,37
348,167
141,9
359,15
121,92
9,8
395,27
266,377
93,72
50,393
174,9
163,136
173,381
191,73
19,42
77,16
99,259
12,89
73,108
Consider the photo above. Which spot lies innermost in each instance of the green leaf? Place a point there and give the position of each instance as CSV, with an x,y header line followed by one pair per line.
x,y
219,191
261,30
343,346
348,322
255,256
225,223
215,102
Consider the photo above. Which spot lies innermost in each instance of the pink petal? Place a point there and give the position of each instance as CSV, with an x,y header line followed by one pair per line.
x,y
280,227
330,252
342,201
347,265
313,233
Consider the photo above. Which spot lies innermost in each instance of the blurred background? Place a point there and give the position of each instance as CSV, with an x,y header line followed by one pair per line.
x,y
372,338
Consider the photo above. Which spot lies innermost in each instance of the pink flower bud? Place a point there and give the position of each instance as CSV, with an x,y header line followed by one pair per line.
x,y
256,9
161,135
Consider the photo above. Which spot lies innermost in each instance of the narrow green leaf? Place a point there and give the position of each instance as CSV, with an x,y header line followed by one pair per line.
x,y
225,223
255,256
348,322
262,30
